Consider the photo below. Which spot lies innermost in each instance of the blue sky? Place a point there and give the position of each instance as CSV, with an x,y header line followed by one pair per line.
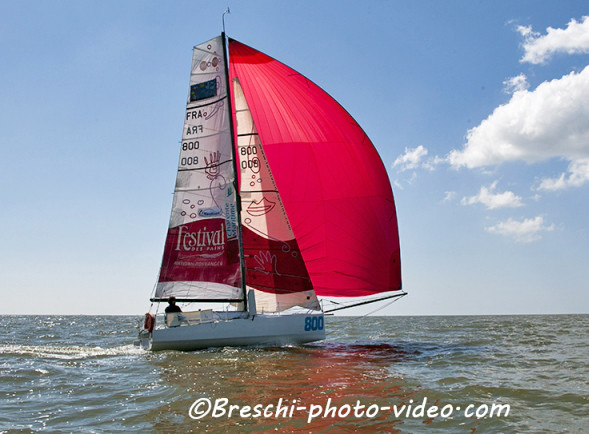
x,y
478,110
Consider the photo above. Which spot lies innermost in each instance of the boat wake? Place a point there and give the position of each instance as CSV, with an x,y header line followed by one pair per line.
x,y
67,353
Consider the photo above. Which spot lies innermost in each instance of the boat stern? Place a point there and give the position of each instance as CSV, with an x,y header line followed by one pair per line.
x,y
143,340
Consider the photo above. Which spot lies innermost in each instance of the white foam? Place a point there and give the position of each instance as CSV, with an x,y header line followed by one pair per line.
x,y
68,353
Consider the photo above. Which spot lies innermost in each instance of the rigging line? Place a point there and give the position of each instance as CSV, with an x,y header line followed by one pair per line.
x,y
380,308
332,302
351,303
368,302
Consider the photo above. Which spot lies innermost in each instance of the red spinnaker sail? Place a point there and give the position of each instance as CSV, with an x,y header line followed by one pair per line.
x,y
331,179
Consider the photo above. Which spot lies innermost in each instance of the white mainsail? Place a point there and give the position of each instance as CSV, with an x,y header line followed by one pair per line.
x,y
201,257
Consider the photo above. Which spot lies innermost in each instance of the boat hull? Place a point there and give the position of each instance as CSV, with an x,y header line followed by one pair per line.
x,y
256,330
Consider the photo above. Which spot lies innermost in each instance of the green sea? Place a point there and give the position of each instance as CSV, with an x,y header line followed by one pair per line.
x,y
446,374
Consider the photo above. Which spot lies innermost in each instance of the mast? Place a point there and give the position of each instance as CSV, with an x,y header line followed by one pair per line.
x,y
235,180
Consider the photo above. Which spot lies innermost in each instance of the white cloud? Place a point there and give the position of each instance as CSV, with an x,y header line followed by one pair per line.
x,y
525,231
433,162
492,200
577,176
414,158
574,39
526,31
411,158
550,121
449,196
516,84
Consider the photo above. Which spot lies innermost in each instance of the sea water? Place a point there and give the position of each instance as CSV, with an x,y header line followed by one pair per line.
x,y
371,374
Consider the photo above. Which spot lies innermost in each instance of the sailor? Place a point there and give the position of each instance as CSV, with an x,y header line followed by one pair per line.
x,y
172,307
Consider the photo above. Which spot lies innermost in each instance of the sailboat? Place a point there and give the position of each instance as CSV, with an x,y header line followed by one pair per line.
x,y
282,210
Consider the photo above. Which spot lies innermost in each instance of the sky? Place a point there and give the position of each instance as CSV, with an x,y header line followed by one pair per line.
x,y
479,110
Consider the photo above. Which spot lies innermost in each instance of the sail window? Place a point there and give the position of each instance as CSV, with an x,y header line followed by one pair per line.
x,y
203,90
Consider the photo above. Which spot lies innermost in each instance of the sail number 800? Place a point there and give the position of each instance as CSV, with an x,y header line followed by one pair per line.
x,y
250,163
313,323
190,146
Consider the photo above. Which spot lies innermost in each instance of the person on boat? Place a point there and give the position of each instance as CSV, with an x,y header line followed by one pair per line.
x,y
172,307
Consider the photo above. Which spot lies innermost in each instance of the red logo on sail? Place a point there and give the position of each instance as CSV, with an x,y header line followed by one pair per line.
x,y
200,251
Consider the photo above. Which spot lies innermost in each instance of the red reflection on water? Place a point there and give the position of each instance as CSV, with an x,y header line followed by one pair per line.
x,y
301,377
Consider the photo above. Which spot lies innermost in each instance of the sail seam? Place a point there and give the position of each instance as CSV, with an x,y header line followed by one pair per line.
x,y
206,167
205,136
188,190
204,105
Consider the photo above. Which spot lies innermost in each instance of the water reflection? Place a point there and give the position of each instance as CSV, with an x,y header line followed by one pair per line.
x,y
301,376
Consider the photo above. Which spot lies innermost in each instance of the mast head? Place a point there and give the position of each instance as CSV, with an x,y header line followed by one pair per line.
x,y
227,11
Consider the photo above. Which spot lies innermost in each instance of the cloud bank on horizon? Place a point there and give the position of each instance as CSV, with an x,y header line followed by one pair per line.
x,y
534,126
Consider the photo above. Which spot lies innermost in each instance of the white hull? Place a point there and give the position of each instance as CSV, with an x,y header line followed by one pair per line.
x,y
256,330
